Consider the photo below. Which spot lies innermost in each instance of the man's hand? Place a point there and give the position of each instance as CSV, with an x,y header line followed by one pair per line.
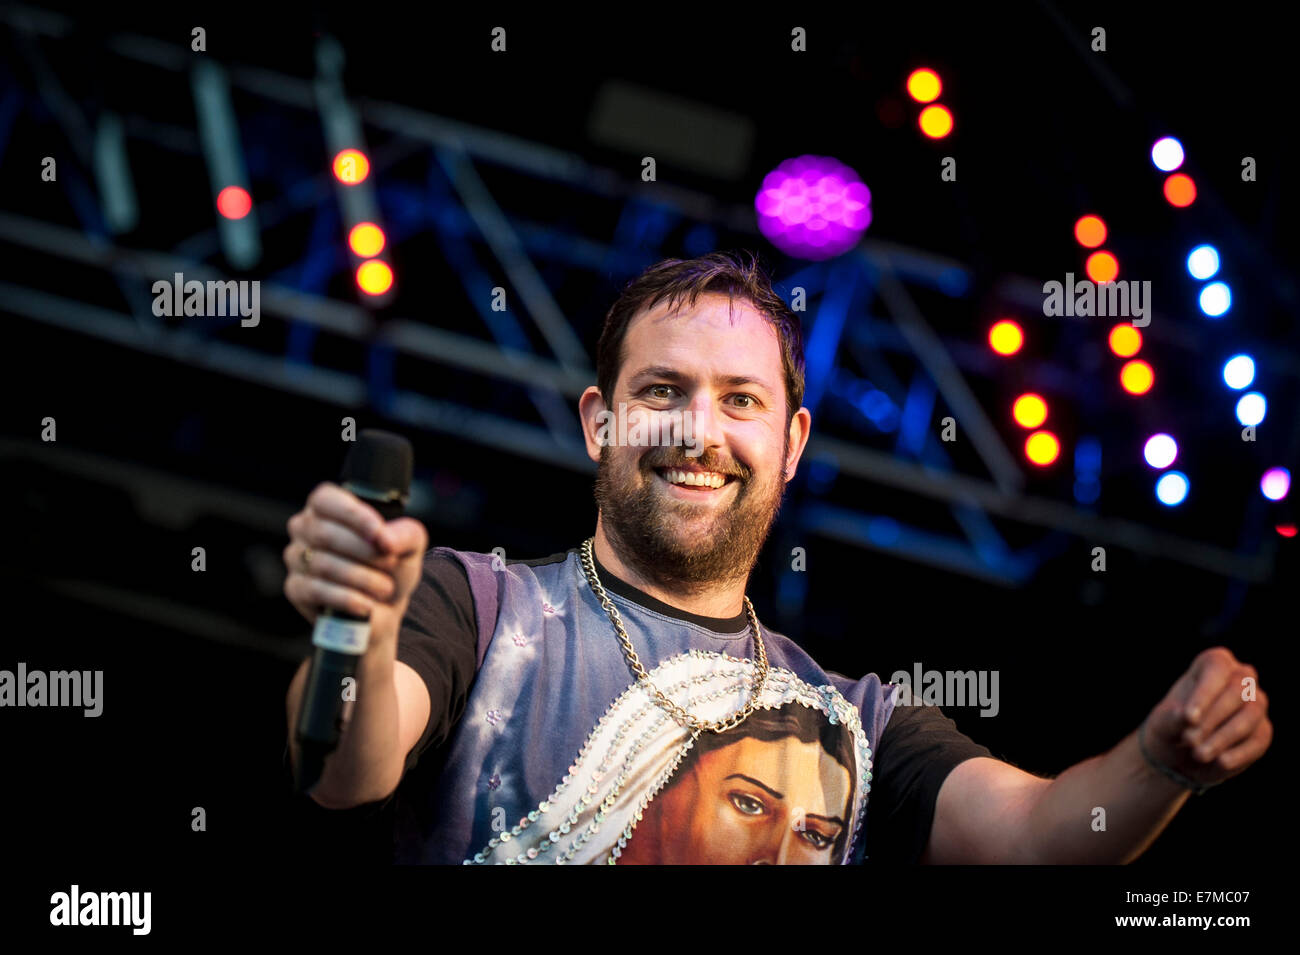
x,y
359,563
1213,722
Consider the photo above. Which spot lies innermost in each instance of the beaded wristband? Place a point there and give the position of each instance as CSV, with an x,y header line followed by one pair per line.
x,y
1179,778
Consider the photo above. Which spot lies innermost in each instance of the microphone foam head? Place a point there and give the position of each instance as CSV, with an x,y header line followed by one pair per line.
x,y
380,460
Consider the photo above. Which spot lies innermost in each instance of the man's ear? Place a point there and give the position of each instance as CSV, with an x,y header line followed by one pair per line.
x,y
800,427
595,421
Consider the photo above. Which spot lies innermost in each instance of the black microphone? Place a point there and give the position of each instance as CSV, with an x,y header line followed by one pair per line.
x,y
378,471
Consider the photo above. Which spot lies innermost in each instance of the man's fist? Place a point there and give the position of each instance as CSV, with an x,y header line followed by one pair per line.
x,y
358,563
1213,722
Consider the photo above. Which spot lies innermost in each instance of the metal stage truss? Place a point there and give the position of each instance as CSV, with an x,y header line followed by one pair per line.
x,y
864,321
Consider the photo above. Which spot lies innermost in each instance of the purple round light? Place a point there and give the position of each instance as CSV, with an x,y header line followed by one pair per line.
x,y
1275,483
813,207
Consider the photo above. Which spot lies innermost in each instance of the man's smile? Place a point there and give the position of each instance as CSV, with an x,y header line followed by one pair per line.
x,y
694,484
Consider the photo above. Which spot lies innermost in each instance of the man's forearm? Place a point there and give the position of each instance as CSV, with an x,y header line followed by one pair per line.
x,y
366,767
1064,826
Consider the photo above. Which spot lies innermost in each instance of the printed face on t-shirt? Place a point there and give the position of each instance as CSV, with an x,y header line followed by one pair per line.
x,y
753,802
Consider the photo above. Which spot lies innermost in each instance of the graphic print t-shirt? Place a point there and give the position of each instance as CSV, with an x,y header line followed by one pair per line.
x,y
541,747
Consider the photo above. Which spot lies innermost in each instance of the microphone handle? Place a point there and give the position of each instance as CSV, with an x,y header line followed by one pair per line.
x,y
339,638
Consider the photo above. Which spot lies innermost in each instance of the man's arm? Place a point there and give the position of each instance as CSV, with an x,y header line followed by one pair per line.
x,y
376,737
1211,725
342,555
991,813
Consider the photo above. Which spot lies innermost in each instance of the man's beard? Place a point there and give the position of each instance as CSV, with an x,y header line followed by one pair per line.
x,y
644,524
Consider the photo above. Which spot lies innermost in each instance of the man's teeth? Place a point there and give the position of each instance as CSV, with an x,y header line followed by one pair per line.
x,y
695,478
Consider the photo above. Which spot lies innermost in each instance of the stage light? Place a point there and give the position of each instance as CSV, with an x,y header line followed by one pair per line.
x,y
1102,267
1090,231
813,207
1167,154
351,166
1239,372
1042,448
1005,337
1251,408
219,140
1275,483
1125,340
1136,377
374,277
234,202
924,85
366,239
354,187
1203,261
1215,299
1286,530
1029,410
1160,451
1171,489
936,121
1180,190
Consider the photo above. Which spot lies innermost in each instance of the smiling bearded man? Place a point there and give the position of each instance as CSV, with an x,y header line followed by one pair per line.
x,y
535,711
684,538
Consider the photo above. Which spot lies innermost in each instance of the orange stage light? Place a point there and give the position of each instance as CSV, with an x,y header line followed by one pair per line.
x,y
1005,337
1030,410
924,85
1125,340
1042,448
936,121
1136,377
374,277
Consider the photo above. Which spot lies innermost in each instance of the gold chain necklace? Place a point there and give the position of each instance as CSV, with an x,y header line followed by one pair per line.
x,y
681,715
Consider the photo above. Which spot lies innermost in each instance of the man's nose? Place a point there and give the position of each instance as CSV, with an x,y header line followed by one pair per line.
x,y
706,423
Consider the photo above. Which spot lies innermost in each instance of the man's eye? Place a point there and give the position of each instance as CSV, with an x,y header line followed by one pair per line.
x,y
655,388
747,804
749,398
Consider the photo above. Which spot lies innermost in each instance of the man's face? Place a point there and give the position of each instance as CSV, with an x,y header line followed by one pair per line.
x,y
722,366
753,803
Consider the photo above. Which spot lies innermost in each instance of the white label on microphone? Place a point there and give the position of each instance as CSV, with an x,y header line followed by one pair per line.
x,y
342,636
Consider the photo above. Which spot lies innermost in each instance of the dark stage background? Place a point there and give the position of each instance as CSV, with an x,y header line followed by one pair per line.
x,y
175,434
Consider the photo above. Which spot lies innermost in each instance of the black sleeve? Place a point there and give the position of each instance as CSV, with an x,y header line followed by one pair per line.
x,y
439,640
918,749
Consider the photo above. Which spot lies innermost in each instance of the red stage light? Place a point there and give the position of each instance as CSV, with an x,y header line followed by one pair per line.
x,y
234,202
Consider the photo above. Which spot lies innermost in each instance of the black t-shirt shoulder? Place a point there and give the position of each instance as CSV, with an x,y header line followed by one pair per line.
x,y
918,749
439,641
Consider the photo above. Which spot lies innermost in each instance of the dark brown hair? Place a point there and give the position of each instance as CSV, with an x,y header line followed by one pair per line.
x,y
677,279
